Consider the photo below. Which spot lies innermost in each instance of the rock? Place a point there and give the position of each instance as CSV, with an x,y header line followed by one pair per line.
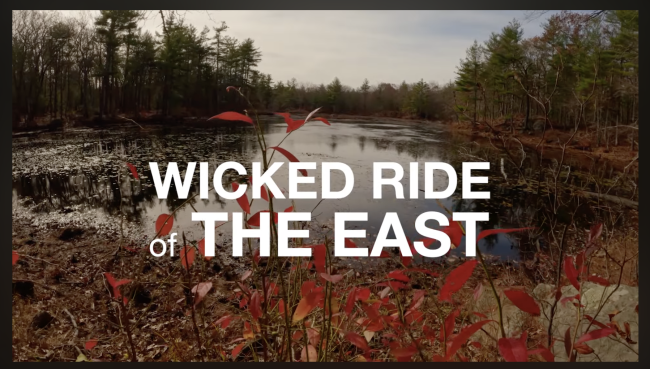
x,y
55,124
42,320
625,300
514,320
70,233
538,126
142,296
24,288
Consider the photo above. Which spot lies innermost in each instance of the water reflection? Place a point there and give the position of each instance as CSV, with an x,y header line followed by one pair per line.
x,y
109,186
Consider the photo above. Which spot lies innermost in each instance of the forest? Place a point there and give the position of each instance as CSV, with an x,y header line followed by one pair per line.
x,y
582,71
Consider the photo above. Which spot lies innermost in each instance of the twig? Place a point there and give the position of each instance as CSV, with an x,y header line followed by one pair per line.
x,y
74,322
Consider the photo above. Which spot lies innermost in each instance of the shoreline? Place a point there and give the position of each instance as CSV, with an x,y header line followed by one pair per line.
x,y
620,157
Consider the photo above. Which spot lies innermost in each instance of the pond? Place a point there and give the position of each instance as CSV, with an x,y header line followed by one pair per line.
x,y
79,177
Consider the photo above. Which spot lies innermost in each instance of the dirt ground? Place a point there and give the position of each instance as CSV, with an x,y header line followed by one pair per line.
x,y
61,298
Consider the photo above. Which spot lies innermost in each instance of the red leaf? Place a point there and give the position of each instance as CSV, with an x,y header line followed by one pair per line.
x,y
358,341
349,304
306,288
594,233
311,114
255,307
164,225
399,275
133,170
455,233
295,125
564,300
322,120
418,299
309,354
448,329
255,219
14,257
571,272
263,193
287,118
489,232
363,294
237,350
514,349
231,115
601,281
256,256
583,349
350,244
224,321
202,249
438,359
427,241
289,156
246,275
287,210
331,278
404,352
90,344
307,304
478,291
247,333
456,279
115,284
372,312
200,290
187,256
596,334
594,321
546,353
523,301
242,200
458,340
281,307
319,255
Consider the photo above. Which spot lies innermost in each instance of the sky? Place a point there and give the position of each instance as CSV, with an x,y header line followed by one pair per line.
x,y
382,46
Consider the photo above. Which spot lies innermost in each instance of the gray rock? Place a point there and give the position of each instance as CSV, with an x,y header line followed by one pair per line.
x,y
538,126
625,300
608,349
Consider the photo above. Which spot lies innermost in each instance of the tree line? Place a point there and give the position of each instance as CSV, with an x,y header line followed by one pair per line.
x,y
581,72
106,65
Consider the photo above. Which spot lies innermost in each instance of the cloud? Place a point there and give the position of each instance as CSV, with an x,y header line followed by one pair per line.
x,y
383,46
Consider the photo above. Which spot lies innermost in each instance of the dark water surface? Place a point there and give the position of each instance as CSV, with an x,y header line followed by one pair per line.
x,y
83,172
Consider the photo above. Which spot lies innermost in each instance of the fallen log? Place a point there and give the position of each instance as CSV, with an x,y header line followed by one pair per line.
x,y
616,199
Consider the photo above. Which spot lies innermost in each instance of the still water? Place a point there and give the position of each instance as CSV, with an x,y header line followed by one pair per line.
x,y
84,172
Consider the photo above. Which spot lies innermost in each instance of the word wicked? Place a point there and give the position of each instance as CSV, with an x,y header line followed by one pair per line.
x,y
264,179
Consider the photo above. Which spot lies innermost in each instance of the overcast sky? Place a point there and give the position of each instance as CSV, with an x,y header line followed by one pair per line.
x,y
383,46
